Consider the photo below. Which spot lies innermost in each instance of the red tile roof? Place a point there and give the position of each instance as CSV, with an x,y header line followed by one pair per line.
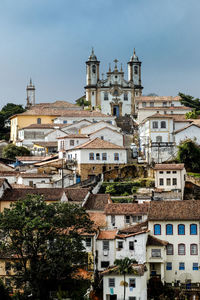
x,y
97,143
99,219
153,241
74,136
97,201
169,167
157,98
127,209
107,235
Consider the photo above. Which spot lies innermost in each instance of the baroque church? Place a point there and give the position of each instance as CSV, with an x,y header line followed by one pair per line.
x,y
114,95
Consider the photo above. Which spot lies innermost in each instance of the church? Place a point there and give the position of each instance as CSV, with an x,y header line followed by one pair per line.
x,y
114,95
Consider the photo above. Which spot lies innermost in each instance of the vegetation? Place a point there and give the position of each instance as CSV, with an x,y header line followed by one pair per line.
x,y
7,111
82,102
189,154
190,101
47,246
124,267
191,115
196,175
11,151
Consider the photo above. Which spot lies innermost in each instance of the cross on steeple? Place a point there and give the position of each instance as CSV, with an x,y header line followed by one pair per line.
x,y
115,61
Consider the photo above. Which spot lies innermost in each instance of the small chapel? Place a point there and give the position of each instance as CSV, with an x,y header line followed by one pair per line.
x,y
114,95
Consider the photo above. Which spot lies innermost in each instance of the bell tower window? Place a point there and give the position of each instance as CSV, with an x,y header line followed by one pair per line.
x,y
94,69
136,70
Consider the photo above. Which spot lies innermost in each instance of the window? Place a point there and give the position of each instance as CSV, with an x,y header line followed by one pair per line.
x,y
104,156
64,122
163,124
132,282
115,93
174,172
88,242
125,97
195,267
168,172
164,104
161,181
105,264
91,156
131,245
116,156
193,229
144,104
168,266
94,69
157,229
156,252
105,245
38,120
131,298
174,181
105,96
31,183
102,137
151,104
181,229
71,142
181,249
160,172
136,70
170,249
120,245
181,266
159,139
97,156
111,282
168,181
169,229
127,219
155,124
193,249
113,220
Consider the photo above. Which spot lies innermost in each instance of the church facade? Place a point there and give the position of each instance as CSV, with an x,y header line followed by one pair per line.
x,y
114,95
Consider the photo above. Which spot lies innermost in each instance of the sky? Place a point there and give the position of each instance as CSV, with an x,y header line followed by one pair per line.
x,y
50,40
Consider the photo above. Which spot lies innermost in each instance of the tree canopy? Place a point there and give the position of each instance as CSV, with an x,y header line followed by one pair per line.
x,y
189,154
11,151
82,101
45,243
190,101
7,111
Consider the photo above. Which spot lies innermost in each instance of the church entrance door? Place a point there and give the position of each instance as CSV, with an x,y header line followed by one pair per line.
x,y
116,110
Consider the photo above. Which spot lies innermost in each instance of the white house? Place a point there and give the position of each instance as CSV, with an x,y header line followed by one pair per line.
x,y
146,106
96,126
34,180
121,215
70,141
74,128
170,177
108,134
97,156
136,283
191,131
177,223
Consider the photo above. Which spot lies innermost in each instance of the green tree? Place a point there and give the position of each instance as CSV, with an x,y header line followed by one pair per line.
x,y
191,114
7,111
46,243
190,101
11,151
83,102
189,154
124,267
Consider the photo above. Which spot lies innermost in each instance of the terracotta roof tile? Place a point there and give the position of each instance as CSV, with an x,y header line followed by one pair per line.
x,y
127,209
157,98
138,269
165,108
74,136
107,235
97,201
44,126
97,143
33,175
153,241
99,219
114,130
174,210
169,167
31,158
135,228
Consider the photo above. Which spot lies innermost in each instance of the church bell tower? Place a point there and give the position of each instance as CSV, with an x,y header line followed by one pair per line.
x,y
30,92
134,73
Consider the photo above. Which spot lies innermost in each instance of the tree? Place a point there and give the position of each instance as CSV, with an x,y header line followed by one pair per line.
x,y
11,151
7,111
46,243
190,101
189,154
124,267
83,102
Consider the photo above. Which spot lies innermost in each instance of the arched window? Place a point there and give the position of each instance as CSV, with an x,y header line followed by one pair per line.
x,y
163,124
169,229
181,229
115,93
181,249
193,249
105,96
193,229
157,229
94,69
38,120
170,249
159,139
136,70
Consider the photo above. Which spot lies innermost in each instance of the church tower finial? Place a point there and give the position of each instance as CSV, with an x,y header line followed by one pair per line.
x,y
109,70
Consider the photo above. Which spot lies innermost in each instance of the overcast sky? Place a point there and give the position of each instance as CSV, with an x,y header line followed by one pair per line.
x,y
50,40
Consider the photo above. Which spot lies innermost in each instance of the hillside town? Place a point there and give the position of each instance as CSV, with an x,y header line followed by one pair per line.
x,y
118,155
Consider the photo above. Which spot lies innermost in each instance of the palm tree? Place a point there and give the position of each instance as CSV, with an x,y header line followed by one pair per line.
x,y
125,267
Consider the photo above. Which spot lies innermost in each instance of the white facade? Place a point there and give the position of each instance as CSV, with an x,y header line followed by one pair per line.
x,y
74,128
53,135
37,182
69,142
190,132
109,135
96,126
139,291
123,220
73,119
28,136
